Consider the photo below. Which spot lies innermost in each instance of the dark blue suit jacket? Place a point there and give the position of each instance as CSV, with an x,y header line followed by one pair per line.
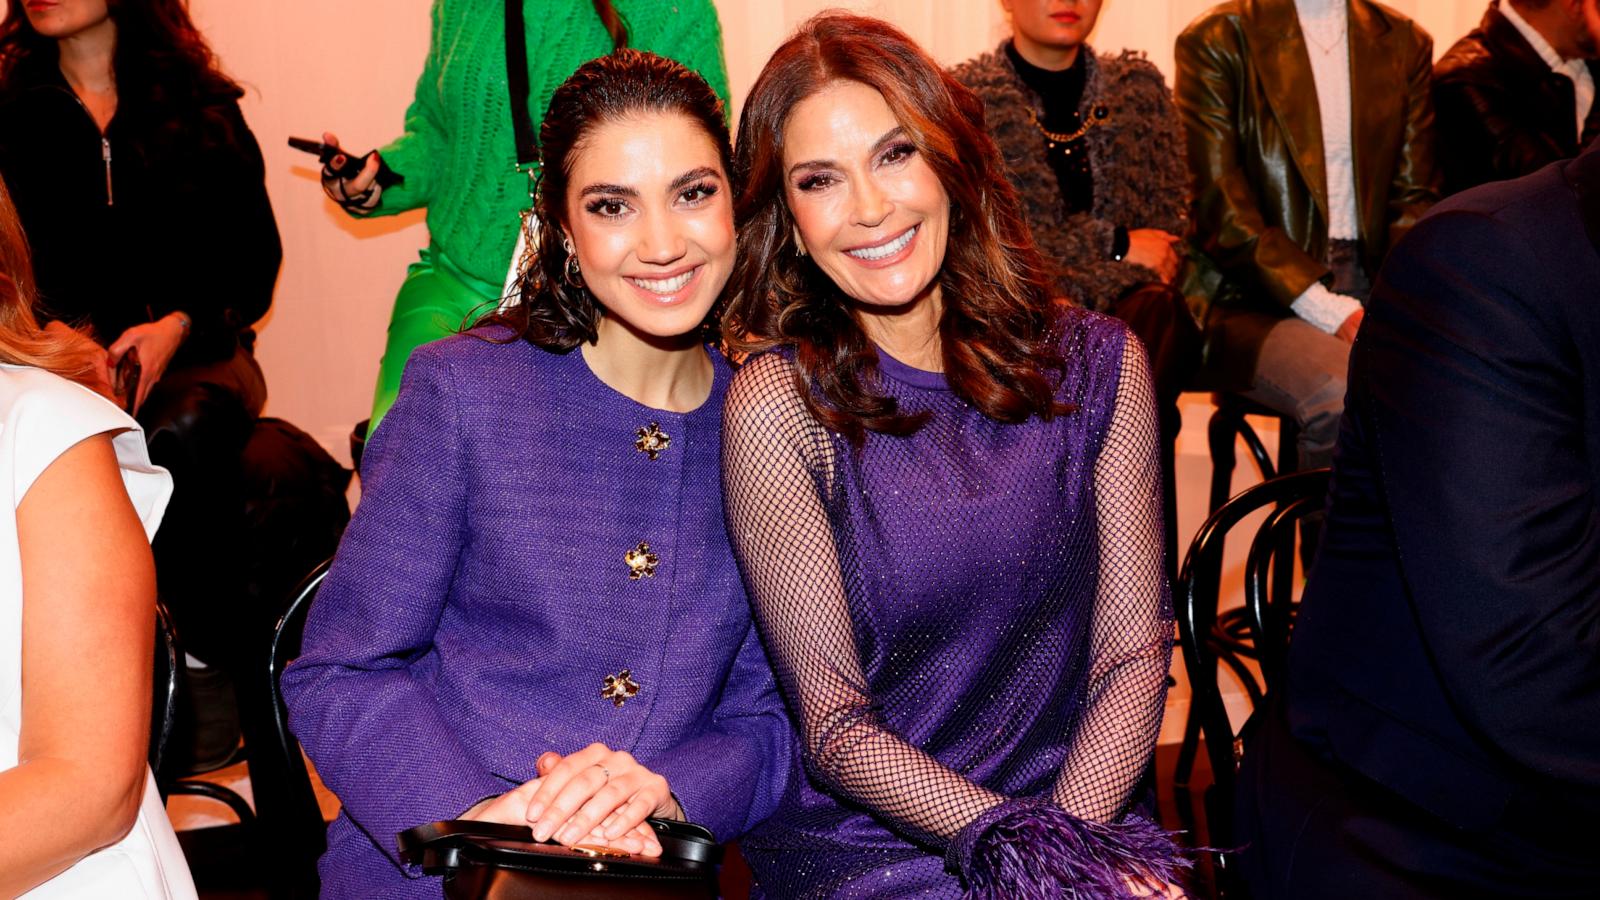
x,y
1448,647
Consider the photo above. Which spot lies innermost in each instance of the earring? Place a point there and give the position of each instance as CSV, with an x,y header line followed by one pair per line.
x,y
573,275
800,250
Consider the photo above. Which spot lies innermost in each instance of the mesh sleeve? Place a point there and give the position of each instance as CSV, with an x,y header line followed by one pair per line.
x,y
1131,632
776,469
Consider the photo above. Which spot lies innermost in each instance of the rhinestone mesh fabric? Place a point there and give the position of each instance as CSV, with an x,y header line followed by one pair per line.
x,y
966,615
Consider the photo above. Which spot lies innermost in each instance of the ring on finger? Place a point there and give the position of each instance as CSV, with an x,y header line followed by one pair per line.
x,y
604,771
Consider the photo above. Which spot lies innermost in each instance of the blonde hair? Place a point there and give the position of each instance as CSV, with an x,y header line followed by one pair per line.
x,y
22,341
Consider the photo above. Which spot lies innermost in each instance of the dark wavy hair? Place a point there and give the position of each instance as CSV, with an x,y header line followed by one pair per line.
x,y
162,63
552,313
996,327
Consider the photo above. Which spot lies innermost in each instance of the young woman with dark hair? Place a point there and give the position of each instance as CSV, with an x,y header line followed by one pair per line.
x,y
535,616
142,191
943,492
458,156
78,806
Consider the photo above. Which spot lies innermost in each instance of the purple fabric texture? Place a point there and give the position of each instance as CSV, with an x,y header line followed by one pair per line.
x,y
1028,849
481,597
964,617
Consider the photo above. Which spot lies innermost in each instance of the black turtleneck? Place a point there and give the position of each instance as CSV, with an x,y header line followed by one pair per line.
x,y
1061,93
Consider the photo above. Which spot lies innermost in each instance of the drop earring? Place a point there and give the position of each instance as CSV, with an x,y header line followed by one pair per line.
x,y
573,274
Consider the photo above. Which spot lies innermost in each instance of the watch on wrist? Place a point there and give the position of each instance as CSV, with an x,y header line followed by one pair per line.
x,y
1119,244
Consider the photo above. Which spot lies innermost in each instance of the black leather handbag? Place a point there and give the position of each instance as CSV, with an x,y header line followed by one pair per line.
x,y
489,861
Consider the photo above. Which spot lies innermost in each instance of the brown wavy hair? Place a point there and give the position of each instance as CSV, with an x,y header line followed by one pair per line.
x,y
553,313
166,73
997,325
22,341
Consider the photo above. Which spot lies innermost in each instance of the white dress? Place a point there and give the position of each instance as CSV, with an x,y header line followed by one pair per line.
x,y
41,417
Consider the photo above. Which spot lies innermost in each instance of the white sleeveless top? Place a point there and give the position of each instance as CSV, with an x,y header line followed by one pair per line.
x,y
41,417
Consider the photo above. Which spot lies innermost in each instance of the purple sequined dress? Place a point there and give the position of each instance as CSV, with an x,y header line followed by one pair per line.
x,y
966,616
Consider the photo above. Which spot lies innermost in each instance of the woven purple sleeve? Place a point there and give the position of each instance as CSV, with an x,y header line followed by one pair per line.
x,y
732,776
357,694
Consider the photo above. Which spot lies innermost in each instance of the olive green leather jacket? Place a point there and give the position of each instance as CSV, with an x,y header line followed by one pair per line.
x,y
1248,104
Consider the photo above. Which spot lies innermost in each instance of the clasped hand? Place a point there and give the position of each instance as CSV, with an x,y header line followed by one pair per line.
x,y
594,796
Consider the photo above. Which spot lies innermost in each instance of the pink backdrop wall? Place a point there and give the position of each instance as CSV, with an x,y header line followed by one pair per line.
x,y
351,66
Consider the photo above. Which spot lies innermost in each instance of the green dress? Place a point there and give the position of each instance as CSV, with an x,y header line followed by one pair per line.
x,y
459,159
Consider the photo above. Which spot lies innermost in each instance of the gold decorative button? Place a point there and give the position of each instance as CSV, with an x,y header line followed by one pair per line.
x,y
619,688
641,562
652,441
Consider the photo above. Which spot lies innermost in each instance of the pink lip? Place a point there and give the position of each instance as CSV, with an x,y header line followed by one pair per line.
x,y
39,5
893,259
673,273
1068,17
674,298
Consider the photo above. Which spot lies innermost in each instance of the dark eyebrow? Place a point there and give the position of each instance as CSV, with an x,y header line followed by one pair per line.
x,y
609,189
693,175
892,135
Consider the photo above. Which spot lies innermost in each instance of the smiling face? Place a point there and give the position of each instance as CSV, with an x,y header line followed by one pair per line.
x,y
65,18
1047,28
649,214
867,207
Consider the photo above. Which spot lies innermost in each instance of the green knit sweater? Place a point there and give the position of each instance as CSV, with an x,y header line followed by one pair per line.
x,y
457,152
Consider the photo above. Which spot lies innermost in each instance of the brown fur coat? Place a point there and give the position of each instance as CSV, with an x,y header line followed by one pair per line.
x,y
1140,179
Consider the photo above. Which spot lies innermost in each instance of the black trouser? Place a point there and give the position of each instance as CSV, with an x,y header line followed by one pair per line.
x,y
1159,316
1311,829
197,420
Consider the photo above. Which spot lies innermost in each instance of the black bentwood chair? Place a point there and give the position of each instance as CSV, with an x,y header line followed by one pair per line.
x,y
1268,622
164,707
169,698
299,833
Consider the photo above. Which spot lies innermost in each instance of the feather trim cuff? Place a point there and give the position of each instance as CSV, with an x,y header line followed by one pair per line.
x,y
1032,849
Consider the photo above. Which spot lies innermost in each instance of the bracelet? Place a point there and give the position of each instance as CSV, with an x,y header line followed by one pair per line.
x,y
1119,244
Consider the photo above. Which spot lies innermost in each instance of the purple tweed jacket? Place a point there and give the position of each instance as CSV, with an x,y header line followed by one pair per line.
x,y
483,593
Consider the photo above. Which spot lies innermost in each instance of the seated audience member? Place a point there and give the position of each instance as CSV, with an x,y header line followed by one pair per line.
x,y
1094,149
943,488
1310,135
79,810
535,616
141,189
1440,732
1516,93
456,153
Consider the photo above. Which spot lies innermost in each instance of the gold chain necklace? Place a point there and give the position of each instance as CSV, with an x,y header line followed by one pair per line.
x,y
1100,115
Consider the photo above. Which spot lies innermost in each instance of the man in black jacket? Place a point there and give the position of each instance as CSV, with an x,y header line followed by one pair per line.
x,y
1516,93
1440,734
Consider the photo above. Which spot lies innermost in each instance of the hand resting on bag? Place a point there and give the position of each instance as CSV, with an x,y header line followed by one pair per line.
x,y
594,796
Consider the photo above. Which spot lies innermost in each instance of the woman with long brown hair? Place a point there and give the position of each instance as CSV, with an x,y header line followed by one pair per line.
x,y
458,155
535,617
78,806
943,491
